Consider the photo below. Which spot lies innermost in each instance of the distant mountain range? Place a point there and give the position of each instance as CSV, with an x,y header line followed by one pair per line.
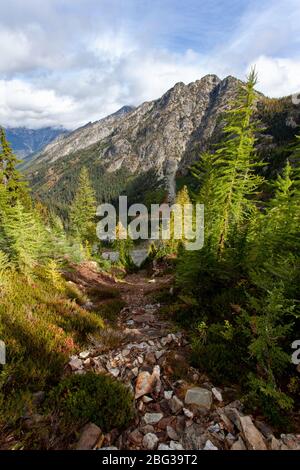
x,y
26,142
140,150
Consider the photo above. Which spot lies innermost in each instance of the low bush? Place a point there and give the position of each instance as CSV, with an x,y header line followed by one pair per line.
x,y
97,398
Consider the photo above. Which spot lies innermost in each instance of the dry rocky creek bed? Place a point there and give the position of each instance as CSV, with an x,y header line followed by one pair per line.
x,y
172,413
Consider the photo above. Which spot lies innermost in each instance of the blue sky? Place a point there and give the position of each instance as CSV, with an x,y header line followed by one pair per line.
x,y
68,62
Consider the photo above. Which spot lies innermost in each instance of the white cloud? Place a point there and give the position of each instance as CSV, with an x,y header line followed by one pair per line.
x,y
277,76
62,65
22,103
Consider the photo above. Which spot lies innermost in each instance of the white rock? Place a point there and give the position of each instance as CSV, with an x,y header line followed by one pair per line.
x,y
175,446
166,340
75,363
84,354
150,441
175,404
188,413
217,394
153,418
114,371
209,446
214,428
168,394
109,448
135,371
163,447
147,399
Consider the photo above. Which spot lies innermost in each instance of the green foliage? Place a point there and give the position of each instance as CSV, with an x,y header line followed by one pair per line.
x,y
111,309
96,398
40,329
83,209
24,237
245,280
10,177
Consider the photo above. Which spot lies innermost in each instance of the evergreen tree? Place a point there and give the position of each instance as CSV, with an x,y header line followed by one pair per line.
x,y
182,199
234,182
83,209
16,187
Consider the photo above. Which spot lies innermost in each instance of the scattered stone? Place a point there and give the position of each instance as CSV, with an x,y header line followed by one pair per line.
x,y
214,428
135,371
234,416
163,447
147,429
172,434
264,428
253,437
227,423
176,446
167,340
238,445
159,354
136,437
109,448
192,438
217,394
114,371
75,363
168,394
199,397
147,399
150,441
175,404
153,418
189,414
87,362
274,443
84,354
144,383
209,446
89,437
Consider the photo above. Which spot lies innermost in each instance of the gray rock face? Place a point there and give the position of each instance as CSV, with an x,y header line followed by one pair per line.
x,y
199,397
163,135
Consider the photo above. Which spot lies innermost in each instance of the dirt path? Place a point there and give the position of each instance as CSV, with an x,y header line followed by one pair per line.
x,y
176,407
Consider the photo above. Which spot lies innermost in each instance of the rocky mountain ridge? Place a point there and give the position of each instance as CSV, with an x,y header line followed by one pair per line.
x,y
164,136
26,142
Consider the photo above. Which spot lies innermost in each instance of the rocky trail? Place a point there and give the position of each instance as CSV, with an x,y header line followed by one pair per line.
x,y
172,413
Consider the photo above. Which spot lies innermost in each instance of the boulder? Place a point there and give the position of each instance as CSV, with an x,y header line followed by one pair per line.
x,y
252,436
199,396
89,437
153,418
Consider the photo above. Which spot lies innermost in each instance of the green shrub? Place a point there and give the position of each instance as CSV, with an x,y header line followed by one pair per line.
x,y
220,350
97,398
111,308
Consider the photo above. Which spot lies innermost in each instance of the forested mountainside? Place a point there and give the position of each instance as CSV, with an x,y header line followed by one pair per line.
x,y
26,142
155,143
